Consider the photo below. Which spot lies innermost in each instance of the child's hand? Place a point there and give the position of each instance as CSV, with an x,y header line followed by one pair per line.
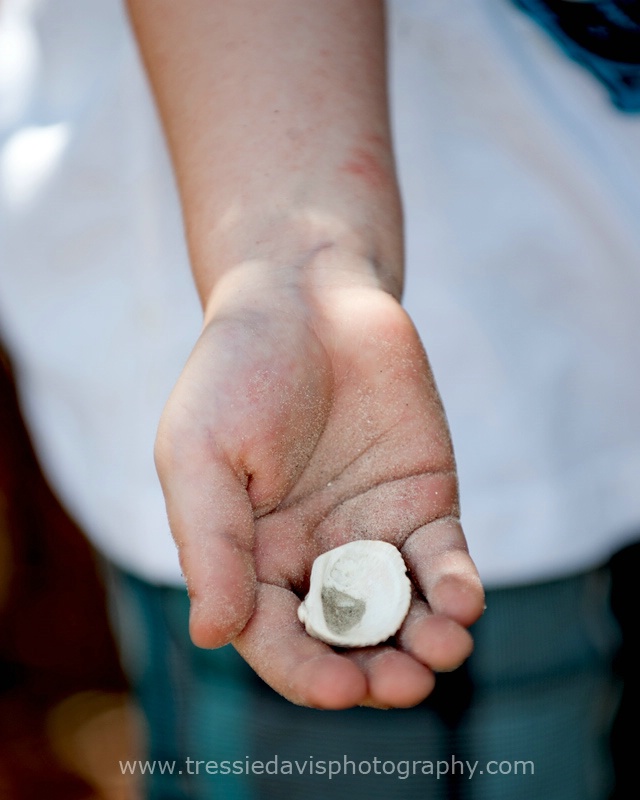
x,y
306,418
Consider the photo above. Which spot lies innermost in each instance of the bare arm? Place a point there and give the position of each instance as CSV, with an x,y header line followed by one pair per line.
x,y
306,415
276,114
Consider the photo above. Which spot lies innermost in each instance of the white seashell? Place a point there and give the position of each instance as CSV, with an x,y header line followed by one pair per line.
x,y
359,594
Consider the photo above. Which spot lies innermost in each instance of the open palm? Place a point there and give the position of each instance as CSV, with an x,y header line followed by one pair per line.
x,y
299,425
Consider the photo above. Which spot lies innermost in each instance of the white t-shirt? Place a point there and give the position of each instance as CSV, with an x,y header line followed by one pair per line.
x,y
522,199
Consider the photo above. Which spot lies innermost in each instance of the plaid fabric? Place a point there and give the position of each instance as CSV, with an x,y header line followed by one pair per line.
x,y
539,688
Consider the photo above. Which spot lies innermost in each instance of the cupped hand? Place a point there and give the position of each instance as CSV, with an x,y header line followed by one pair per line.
x,y
304,419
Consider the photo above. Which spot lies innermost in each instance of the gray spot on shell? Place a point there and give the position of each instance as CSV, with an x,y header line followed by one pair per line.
x,y
341,611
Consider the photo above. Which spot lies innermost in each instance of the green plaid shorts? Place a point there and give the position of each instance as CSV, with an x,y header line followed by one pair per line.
x,y
528,717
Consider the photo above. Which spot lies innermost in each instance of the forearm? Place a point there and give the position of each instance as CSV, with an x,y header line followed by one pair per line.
x,y
276,117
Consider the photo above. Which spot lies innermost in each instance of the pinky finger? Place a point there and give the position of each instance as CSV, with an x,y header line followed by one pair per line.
x,y
433,639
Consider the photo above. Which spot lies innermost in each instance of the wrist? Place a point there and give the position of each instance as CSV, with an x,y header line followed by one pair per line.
x,y
299,277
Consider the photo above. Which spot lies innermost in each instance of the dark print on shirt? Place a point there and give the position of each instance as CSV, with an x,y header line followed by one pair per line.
x,y
601,35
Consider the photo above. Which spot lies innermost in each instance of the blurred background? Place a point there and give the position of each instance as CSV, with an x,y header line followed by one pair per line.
x,y
66,717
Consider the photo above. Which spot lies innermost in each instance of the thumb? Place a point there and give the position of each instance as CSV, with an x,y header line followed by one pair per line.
x,y
211,520
251,401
